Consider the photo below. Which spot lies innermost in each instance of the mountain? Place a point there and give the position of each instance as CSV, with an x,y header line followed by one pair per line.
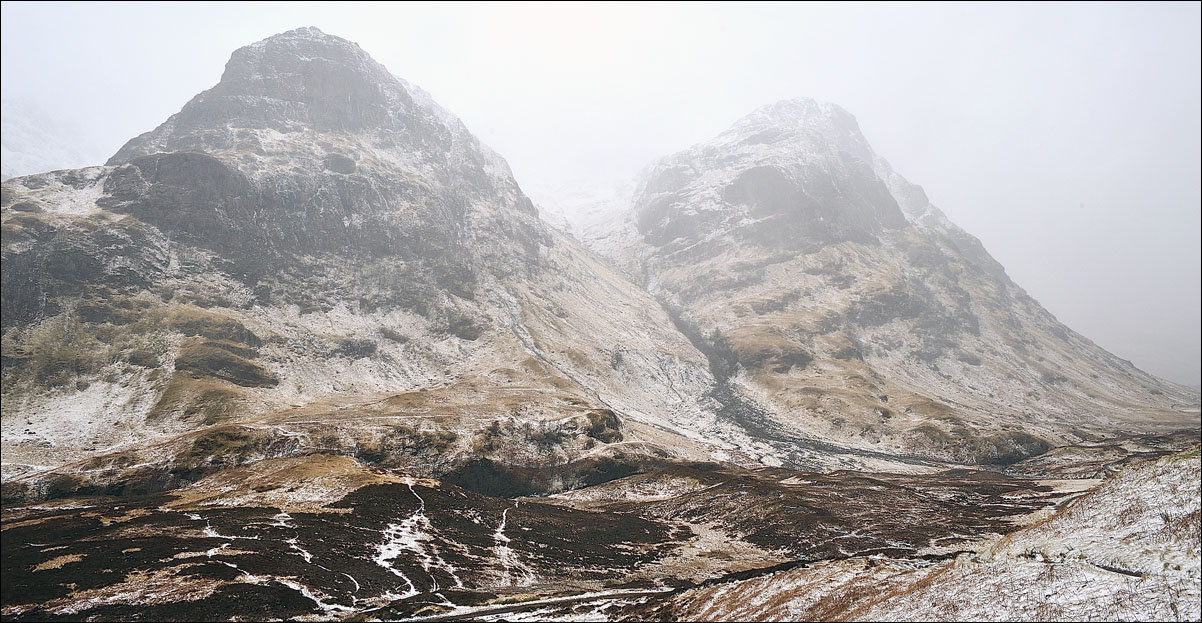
x,y
837,305
314,233
307,351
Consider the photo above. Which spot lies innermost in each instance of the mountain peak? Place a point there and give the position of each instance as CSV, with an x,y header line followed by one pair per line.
x,y
299,80
797,174
304,32
294,49
800,113
799,128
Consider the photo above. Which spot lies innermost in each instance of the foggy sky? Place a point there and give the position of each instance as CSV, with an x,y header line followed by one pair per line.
x,y
1065,137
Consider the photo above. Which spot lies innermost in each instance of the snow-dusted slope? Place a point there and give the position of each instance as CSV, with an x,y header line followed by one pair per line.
x,y
838,305
311,230
1128,550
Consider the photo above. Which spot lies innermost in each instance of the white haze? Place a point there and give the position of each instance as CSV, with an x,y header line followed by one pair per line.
x,y
1066,137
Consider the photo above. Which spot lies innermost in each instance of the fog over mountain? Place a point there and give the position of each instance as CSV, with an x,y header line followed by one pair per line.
x,y
307,349
34,142
1065,137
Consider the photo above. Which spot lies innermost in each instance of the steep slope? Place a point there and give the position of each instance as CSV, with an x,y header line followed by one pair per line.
x,y
1129,550
836,304
313,232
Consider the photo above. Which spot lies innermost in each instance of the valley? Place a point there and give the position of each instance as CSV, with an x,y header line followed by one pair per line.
x,y
323,535
307,351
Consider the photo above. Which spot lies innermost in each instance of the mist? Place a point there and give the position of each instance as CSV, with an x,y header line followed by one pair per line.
x,y
1065,137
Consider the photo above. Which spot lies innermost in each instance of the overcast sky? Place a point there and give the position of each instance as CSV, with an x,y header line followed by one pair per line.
x,y
1065,137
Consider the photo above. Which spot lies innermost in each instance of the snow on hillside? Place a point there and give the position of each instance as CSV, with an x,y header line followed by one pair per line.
x,y
1128,550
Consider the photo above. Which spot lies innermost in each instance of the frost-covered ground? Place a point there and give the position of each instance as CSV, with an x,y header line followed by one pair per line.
x,y
1129,550
318,535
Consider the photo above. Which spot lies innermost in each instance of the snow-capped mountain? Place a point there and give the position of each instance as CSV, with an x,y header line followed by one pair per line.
x,y
307,351
838,304
313,229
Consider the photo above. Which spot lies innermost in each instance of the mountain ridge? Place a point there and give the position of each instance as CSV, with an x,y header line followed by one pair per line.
x,y
306,350
308,154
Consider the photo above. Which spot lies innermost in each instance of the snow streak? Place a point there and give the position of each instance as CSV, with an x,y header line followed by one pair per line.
x,y
415,535
507,557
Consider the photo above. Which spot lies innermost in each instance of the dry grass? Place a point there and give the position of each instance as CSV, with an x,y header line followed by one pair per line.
x,y
301,483
192,320
836,606
923,583
59,562
59,350
208,400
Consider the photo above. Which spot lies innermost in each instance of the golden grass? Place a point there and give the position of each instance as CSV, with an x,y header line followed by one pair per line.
x,y
300,483
59,562
210,400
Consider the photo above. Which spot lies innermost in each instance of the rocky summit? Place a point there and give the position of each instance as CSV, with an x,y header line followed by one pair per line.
x,y
307,351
